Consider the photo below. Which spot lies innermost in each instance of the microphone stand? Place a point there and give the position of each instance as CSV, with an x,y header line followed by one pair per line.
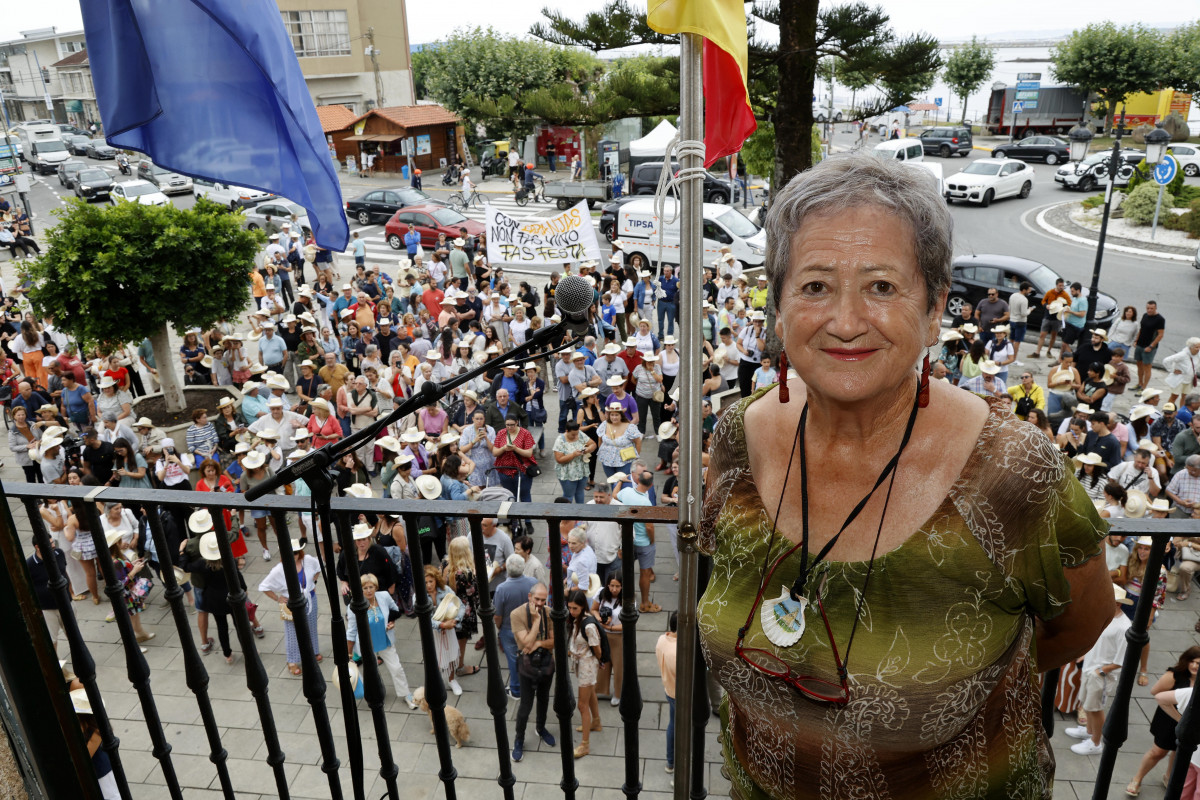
x,y
322,458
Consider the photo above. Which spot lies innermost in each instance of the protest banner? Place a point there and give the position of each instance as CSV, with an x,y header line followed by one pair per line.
x,y
569,236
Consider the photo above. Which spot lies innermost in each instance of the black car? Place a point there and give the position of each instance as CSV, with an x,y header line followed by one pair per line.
x,y
77,145
972,276
946,142
644,180
608,214
1035,148
98,148
93,182
67,171
381,204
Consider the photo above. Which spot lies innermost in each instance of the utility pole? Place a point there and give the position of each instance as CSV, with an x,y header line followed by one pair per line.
x,y
375,66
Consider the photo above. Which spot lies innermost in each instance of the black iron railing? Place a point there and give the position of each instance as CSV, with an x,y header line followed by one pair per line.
x,y
46,683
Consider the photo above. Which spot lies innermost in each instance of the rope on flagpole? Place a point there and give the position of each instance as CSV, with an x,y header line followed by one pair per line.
x,y
671,184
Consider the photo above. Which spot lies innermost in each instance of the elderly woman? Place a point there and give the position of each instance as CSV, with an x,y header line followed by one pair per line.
x,y
323,425
843,680
1182,377
476,443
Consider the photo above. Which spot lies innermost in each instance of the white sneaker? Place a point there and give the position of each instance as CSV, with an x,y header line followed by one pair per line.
x,y
1087,748
1079,732
616,701
454,687
266,554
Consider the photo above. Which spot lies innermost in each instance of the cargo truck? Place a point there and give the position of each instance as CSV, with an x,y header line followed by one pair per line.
x,y
1053,112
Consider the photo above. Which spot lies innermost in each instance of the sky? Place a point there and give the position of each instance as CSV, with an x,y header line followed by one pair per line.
x,y
430,21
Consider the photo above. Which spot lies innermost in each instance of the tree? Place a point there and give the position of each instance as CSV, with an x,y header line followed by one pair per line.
x,y
1111,62
967,68
1183,55
118,274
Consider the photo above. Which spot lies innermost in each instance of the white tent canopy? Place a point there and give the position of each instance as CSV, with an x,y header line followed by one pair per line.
x,y
654,143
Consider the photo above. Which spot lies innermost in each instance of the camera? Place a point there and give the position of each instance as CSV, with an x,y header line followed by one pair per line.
x,y
605,615
72,447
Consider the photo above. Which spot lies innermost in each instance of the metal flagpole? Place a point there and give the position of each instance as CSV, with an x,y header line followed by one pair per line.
x,y
691,129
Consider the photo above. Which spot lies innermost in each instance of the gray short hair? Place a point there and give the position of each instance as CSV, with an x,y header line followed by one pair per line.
x,y
577,535
514,566
1193,461
109,416
844,182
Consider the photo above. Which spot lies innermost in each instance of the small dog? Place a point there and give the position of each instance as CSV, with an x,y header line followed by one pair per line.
x,y
454,719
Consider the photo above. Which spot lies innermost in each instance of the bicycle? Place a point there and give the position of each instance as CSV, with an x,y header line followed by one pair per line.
x,y
539,193
460,203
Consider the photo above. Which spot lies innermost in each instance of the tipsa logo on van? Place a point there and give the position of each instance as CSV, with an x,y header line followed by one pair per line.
x,y
641,223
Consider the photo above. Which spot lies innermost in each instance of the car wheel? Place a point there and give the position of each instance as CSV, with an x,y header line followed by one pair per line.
x,y
608,234
1026,188
364,218
1191,170
718,198
1051,159
944,151
394,241
251,227
954,304
1088,183
562,204
998,154
987,198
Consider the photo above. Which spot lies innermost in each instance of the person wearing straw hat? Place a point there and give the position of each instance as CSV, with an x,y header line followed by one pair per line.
x,y
204,563
1092,474
274,586
1098,682
1132,577
1000,350
1052,304
255,472
135,589
987,383
101,765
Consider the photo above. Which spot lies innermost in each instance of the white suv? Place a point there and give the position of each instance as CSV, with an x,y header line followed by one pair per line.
x,y
229,195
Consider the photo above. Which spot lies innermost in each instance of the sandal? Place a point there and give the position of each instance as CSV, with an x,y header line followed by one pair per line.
x,y
650,608
79,597
1133,788
467,670
1143,679
1181,596
294,669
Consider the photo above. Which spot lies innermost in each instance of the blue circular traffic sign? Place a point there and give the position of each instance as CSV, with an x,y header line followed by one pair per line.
x,y
1164,171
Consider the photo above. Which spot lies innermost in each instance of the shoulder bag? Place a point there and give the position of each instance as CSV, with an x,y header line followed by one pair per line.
x,y
539,664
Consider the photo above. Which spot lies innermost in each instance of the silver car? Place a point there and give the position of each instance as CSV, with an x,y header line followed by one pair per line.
x,y
280,211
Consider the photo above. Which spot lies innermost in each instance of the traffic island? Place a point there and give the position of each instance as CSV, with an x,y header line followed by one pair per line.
x,y
1071,221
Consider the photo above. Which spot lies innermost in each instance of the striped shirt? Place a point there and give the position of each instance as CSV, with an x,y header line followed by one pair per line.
x,y
202,440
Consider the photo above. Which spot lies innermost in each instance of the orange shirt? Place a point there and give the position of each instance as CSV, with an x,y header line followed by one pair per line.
x,y
1055,294
257,288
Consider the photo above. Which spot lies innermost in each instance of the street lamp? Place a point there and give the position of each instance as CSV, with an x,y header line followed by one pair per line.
x,y
1080,139
1156,145
1116,170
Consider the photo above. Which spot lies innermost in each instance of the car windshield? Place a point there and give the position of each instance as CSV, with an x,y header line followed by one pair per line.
x,y
1043,278
982,168
292,208
72,166
139,189
93,175
447,216
51,147
737,224
98,143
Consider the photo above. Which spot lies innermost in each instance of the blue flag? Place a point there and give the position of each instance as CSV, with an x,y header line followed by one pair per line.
x,y
212,89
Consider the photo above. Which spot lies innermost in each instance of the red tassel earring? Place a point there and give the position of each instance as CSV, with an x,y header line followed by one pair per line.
x,y
923,391
784,395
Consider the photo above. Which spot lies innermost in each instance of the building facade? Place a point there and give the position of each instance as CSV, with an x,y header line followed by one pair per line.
x,y
353,53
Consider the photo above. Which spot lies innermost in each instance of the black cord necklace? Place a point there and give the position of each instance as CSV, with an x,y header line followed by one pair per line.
x,y
889,471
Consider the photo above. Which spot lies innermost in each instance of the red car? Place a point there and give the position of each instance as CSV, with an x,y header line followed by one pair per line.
x,y
429,220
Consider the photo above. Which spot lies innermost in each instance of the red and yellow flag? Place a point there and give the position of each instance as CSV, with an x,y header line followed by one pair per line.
x,y
728,118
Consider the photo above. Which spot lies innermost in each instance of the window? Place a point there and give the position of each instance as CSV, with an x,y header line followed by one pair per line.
x,y
66,48
374,197
318,33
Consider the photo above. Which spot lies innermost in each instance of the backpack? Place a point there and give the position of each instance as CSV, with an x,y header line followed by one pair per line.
x,y
427,527
605,650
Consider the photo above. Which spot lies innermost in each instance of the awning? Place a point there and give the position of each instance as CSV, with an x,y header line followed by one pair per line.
x,y
360,137
373,137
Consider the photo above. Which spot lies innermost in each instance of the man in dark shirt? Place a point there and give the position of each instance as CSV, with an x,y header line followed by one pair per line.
x,y
1095,352
1101,441
97,456
668,304
991,311
1151,328
46,599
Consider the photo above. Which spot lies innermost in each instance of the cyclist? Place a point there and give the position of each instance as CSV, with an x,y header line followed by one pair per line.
x,y
530,177
468,187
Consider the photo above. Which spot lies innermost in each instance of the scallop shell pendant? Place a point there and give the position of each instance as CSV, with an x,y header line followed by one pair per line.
x,y
783,618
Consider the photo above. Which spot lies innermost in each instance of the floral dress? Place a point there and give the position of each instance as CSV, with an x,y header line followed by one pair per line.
x,y
468,593
136,588
572,470
584,664
610,448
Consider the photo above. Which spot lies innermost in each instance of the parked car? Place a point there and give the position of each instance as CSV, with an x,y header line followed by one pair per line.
x,y
1188,156
608,214
821,113
900,149
946,142
67,171
98,148
429,220
93,182
280,210
229,195
69,131
1036,148
1086,175
972,276
984,181
167,181
381,204
644,180
77,145
142,192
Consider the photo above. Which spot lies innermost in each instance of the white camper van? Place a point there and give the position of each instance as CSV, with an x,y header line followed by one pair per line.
x,y
42,147
637,231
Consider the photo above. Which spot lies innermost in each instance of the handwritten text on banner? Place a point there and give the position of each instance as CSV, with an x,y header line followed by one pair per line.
x,y
569,236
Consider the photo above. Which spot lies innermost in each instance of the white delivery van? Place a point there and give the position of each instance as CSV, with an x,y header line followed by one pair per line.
x,y
42,147
901,149
934,169
637,231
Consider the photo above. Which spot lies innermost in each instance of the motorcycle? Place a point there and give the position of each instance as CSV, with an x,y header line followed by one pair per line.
x,y
123,165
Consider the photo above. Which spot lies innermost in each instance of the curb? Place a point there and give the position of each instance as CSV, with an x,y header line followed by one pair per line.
x,y
982,147
1120,248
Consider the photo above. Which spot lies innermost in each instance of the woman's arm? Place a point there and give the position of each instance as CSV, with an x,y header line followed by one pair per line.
x,y
1073,632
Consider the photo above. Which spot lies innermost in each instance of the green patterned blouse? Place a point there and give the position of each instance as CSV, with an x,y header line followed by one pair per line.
x,y
944,697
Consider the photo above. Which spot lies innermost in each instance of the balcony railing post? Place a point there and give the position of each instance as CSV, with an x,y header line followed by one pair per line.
x,y
195,675
312,681
136,667
435,689
1049,689
256,674
71,746
631,689
564,700
497,699
1116,726
368,666
700,708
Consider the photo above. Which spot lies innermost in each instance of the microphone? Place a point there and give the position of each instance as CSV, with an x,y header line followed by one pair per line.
x,y
573,297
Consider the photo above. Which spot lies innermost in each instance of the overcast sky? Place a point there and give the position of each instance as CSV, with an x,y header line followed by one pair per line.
x,y
430,21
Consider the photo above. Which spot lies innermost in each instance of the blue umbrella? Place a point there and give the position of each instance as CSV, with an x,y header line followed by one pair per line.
x,y
902,109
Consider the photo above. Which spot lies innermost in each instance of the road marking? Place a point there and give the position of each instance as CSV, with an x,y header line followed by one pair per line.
x,y
1046,229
